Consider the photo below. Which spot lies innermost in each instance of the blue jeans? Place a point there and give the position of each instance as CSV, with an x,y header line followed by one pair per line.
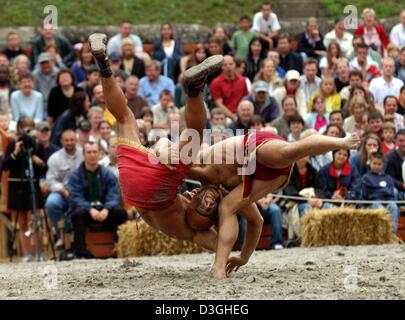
x,y
273,216
56,205
394,212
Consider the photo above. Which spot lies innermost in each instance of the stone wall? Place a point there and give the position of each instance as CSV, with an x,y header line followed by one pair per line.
x,y
193,33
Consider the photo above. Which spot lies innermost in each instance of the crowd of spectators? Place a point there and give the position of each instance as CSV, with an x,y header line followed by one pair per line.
x,y
333,84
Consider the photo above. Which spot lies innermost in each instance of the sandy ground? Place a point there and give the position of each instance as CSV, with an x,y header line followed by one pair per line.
x,y
377,272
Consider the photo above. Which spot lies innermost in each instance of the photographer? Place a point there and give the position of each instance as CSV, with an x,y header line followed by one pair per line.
x,y
16,162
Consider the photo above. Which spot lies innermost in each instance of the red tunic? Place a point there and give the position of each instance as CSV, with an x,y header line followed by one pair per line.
x,y
145,183
262,172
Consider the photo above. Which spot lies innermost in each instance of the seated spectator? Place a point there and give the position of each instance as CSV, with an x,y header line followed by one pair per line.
x,y
393,51
242,37
310,42
292,88
241,67
220,33
376,186
296,125
375,122
289,109
360,91
45,78
328,64
44,139
289,60
199,54
228,89
303,176
372,54
361,159
114,44
94,197
341,36
135,102
336,118
269,74
81,68
106,131
342,74
257,123
168,51
357,122
83,133
153,83
4,60
161,113
265,105
131,64
245,114
13,48
266,25
27,101
93,79
373,34
388,135
69,119
327,90
401,101
60,95
390,112
355,78
254,59
95,116
339,180
218,130
110,159
275,57
21,65
56,59
310,82
99,101
331,130
395,161
387,84
60,165
362,62
318,119
397,35
400,66
5,90
115,64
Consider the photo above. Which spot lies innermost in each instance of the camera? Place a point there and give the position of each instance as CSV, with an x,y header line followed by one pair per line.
x,y
28,138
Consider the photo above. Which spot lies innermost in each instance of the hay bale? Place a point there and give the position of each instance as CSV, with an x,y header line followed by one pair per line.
x,y
137,239
346,226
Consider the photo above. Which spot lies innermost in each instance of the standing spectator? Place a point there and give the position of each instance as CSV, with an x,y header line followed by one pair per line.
x,y
19,191
81,68
362,62
289,60
292,87
397,35
264,104
131,64
310,42
372,33
13,46
168,51
275,57
361,160
400,66
310,82
328,63
94,196
342,74
26,101
395,160
242,38
93,79
245,114
387,84
269,74
289,108
388,135
60,165
135,102
44,139
318,119
341,36
5,90
59,97
255,57
228,88
328,91
357,122
48,36
114,44
153,83
378,186
45,78
266,24
220,33
390,112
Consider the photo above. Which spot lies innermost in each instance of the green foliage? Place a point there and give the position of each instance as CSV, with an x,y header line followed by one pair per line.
x,y
383,8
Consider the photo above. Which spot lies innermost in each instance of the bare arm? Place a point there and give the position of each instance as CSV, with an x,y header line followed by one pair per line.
x,y
219,103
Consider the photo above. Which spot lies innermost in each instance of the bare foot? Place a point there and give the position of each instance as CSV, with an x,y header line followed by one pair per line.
x,y
217,273
352,141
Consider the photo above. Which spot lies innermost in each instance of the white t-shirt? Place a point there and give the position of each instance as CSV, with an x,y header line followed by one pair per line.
x,y
380,88
397,35
265,26
169,50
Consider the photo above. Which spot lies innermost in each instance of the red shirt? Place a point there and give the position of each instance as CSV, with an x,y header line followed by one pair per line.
x,y
385,148
231,92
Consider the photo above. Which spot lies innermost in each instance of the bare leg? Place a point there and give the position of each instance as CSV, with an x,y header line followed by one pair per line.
x,y
281,154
